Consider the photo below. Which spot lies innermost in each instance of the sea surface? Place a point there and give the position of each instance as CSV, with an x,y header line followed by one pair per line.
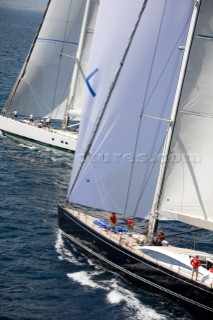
x,y
41,276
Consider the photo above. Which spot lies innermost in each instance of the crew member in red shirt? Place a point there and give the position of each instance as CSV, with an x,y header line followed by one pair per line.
x,y
160,237
113,221
130,224
195,262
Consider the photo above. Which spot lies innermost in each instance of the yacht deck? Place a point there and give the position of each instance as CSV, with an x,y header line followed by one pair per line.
x,y
135,242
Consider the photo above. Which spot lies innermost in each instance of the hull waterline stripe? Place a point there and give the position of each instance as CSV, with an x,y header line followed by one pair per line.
x,y
17,137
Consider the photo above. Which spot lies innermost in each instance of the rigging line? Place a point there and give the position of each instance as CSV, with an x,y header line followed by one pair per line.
x,y
162,72
111,89
143,187
78,62
97,180
66,88
194,179
147,180
56,40
183,174
143,105
155,118
37,97
63,98
184,232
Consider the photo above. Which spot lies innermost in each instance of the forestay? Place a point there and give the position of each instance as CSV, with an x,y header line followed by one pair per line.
x,y
121,170
187,193
43,84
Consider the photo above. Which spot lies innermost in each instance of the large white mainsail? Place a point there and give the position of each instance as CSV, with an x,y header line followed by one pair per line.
x,y
43,84
120,172
187,190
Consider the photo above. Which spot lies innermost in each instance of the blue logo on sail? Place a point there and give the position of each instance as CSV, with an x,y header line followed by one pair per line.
x,y
88,83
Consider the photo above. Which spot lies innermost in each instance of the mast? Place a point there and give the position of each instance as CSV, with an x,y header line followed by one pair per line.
x,y
76,67
154,211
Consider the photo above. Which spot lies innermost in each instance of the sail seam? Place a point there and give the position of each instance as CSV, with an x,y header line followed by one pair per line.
x,y
204,37
196,114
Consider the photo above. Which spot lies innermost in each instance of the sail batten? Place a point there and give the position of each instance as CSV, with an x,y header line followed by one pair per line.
x,y
195,114
187,189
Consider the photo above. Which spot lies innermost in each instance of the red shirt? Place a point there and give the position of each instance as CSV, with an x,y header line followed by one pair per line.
x,y
161,235
112,218
195,262
130,222
211,269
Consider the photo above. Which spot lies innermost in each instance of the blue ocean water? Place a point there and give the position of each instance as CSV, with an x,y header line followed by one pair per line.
x,y
41,276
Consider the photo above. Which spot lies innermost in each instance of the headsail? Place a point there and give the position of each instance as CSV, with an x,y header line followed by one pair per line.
x,y
120,173
187,192
78,85
43,84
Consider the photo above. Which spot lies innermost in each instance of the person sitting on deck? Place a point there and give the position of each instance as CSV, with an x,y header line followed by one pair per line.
x,y
209,265
48,121
130,224
15,114
160,238
31,118
112,221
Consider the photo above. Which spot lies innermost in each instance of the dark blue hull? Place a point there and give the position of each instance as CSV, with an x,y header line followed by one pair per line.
x,y
140,271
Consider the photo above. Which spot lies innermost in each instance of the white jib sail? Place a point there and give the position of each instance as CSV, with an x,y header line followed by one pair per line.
x,y
81,67
187,193
120,173
43,85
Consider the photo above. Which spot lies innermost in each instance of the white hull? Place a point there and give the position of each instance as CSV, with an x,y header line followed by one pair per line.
x,y
57,139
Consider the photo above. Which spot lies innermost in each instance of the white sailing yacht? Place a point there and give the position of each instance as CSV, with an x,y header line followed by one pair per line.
x,y
147,146
52,80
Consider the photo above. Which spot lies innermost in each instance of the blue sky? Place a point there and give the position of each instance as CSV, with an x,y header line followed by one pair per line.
x,y
37,5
